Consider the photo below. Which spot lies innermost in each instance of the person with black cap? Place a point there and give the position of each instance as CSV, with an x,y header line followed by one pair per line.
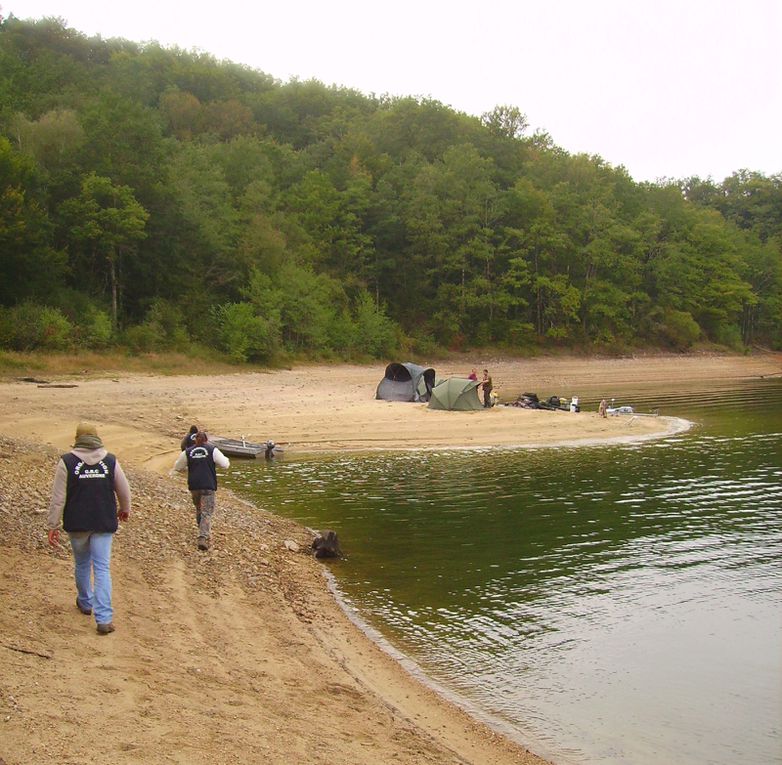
x,y
201,462
189,439
87,484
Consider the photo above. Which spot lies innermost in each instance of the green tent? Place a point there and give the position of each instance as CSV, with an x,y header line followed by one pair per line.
x,y
455,393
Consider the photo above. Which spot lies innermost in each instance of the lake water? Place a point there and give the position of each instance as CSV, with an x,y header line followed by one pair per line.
x,y
612,604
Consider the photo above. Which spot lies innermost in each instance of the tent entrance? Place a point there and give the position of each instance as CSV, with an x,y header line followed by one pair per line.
x,y
406,382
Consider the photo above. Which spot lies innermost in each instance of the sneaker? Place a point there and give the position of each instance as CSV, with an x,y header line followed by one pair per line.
x,y
105,629
203,543
86,610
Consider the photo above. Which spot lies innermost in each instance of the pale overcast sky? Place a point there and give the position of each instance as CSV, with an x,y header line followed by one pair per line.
x,y
667,88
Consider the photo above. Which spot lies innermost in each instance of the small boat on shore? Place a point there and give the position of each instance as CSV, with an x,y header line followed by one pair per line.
x,y
620,410
235,447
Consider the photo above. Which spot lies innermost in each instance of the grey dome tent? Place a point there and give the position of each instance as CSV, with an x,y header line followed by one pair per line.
x,y
456,393
406,382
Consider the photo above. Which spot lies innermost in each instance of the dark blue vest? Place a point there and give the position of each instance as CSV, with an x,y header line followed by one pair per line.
x,y
90,502
201,470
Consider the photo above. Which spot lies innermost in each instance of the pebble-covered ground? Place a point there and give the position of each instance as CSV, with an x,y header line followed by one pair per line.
x,y
236,655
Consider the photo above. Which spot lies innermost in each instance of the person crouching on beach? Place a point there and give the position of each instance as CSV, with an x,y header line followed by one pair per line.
x,y
87,484
201,462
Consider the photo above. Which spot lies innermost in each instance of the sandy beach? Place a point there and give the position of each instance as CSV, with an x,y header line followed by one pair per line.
x,y
241,655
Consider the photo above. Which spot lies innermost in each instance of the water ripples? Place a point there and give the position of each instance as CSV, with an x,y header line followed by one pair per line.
x,y
596,600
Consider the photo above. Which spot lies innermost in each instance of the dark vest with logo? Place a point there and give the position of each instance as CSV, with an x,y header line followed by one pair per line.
x,y
90,502
201,470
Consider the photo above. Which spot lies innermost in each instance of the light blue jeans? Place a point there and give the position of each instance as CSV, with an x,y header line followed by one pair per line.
x,y
92,560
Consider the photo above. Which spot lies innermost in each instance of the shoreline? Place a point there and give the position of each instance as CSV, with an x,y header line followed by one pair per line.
x,y
295,678
260,664
528,744
676,425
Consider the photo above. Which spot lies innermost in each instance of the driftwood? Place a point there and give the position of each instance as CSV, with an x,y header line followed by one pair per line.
x,y
326,545
27,651
32,379
59,385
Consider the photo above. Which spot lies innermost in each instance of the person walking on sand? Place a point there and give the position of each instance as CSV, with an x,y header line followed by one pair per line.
x,y
87,484
602,409
201,462
487,386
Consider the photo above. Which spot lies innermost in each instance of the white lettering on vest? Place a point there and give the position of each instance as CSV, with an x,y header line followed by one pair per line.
x,y
101,470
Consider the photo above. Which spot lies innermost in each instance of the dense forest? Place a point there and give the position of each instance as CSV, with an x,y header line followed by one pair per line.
x,y
154,199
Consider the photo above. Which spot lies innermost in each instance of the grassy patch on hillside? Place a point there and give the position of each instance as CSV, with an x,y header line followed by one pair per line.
x,y
112,363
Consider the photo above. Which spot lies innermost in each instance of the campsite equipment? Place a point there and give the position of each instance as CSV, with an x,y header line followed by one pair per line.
x,y
406,382
456,393
552,403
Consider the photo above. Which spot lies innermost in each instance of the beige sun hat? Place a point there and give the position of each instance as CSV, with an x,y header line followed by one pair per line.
x,y
86,429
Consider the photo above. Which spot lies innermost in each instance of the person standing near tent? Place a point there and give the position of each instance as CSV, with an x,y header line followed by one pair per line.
x,y
201,461
487,386
473,375
87,484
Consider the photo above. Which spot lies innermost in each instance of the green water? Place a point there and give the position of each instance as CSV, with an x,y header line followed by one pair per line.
x,y
613,604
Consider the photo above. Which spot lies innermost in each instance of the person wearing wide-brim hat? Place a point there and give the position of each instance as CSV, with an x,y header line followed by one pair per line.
x,y
88,483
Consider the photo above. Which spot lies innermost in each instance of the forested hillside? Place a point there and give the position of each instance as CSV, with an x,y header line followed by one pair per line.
x,y
155,198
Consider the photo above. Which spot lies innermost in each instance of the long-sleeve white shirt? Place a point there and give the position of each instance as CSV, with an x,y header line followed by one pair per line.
x,y
220,460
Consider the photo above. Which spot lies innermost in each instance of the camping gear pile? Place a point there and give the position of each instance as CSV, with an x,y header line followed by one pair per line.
x,y
552,403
